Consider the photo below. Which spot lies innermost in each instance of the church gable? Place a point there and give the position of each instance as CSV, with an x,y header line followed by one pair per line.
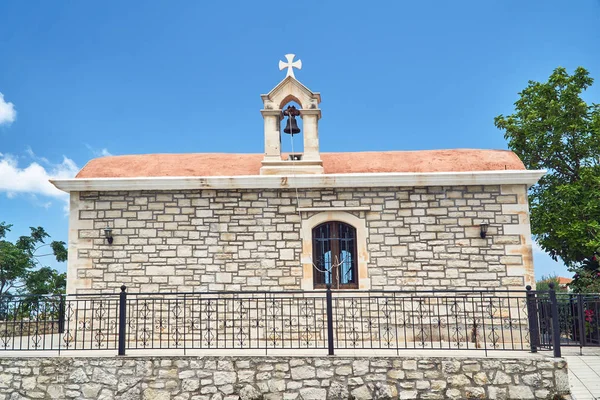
x,y
290,89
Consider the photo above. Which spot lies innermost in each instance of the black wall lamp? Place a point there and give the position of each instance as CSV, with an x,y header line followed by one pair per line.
x,y
483,228
108,235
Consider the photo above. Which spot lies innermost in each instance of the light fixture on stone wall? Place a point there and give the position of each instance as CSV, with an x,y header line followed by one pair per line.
x,y
483,228
108,235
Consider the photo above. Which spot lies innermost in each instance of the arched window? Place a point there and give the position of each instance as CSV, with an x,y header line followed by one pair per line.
x,y
335,255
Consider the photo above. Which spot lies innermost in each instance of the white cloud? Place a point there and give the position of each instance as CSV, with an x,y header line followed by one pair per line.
x,y
98,153
8,114
33,178
35,157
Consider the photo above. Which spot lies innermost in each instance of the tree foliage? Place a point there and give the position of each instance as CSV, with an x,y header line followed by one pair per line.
x,y
543,285
553,128
587,277
21,268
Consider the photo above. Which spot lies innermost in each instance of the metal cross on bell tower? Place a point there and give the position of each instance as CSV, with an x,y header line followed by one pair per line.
x,y
290,65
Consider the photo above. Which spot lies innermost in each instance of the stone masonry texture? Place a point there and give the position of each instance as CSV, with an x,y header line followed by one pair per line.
x,y
279,378
212,240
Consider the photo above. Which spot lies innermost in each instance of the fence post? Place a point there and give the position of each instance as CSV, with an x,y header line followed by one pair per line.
x,y
532,314
555,322
122,319
61,314
581,321
329,299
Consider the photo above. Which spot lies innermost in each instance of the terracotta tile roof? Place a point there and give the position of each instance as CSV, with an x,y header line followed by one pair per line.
x,y
564,281
220,164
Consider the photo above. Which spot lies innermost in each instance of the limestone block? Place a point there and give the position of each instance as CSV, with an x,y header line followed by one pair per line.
x,y
313,393
385,391
153,394
362,393
458,380
408,394
303,372
520,392
159,270
224,377
249,392
360,367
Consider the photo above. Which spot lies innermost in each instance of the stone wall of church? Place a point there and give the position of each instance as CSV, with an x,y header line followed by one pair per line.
x,y
209,240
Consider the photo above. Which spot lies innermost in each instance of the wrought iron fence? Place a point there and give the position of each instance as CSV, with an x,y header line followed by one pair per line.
x,y
246,320
74,322
432,320
323,319
360,320
577,322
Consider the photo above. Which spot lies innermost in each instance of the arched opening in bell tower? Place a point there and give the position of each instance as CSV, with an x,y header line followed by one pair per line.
x,y
291,127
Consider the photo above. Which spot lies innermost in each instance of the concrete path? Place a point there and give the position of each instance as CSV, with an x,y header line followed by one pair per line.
x,y
584,372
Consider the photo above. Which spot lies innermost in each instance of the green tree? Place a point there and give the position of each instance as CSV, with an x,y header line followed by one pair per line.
x,y
543,285
553,128
21,267
587,277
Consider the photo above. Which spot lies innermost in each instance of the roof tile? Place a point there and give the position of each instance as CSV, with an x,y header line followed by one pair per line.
x,y
221,164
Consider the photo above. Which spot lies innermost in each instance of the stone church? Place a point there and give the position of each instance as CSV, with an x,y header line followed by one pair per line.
x,y
390,220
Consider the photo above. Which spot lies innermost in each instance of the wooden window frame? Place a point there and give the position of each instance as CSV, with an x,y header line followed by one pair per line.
x,y
336,248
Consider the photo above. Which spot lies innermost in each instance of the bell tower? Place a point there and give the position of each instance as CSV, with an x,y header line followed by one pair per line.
x,y
288,90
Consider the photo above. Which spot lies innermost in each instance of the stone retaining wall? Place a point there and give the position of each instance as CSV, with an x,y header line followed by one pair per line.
x,y
278,378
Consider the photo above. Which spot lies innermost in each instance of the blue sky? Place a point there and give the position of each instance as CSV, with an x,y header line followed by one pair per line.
x,y
83,79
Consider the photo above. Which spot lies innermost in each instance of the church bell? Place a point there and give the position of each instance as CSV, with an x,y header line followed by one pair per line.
x,y
291,126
